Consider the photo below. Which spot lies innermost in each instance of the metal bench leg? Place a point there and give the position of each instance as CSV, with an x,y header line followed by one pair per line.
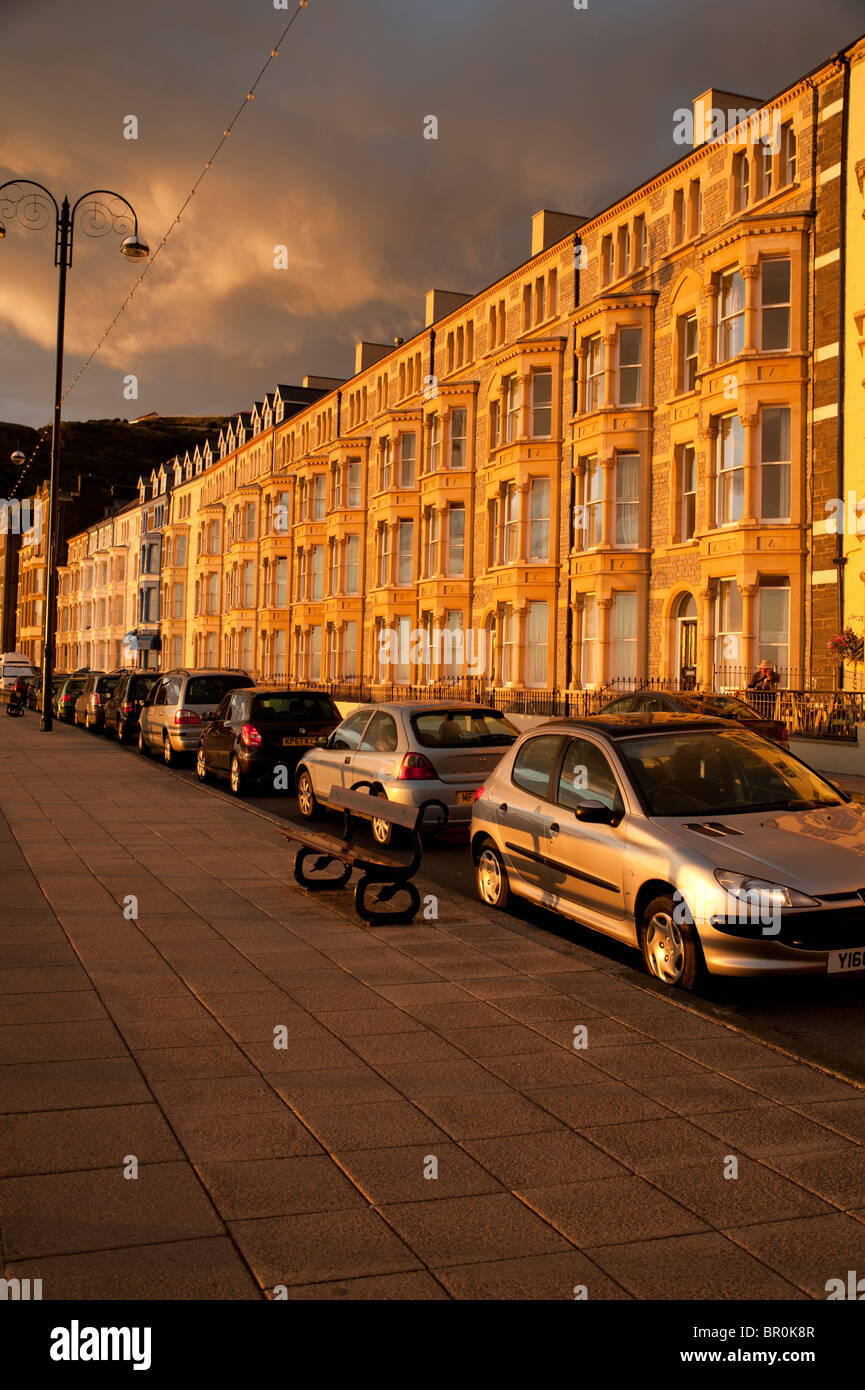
x,y
315,885
372,915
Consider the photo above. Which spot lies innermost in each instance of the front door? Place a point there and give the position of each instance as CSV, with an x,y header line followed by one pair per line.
x,y
687,653
587,860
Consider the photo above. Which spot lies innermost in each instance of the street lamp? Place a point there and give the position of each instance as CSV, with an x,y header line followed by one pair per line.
x,y
101,211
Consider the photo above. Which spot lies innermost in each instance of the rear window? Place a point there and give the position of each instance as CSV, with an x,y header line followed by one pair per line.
x,y
74,687
141,686
472,728
209,690
106,684
288,705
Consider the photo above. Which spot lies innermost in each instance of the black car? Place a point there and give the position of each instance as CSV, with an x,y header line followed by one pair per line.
x,y
253,732
90,705
123,705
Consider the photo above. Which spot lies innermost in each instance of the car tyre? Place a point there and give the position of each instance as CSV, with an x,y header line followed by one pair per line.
x,y
143,745
236,779
202,771
169,757
670,948
492,877
307,802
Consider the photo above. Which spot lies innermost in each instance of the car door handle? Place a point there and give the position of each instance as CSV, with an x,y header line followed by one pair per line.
x,y
553,831
504,807
346,760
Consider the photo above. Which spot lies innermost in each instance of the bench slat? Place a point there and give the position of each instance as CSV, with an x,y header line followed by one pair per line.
x,y
338,849
360,803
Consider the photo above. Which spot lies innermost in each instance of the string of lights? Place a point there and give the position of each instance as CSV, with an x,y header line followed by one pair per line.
x,y
250,96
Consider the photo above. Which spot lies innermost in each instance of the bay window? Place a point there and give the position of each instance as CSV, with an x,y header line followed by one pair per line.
x,y
627,499
730,457
775,463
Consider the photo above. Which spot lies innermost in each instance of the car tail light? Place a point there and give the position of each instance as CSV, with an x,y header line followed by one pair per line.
x,y
95,700
65,699
186,716
416,768
479,793
127,707
785,737
250,737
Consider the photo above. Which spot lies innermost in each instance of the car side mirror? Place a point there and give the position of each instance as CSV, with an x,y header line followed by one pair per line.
x,y
595,813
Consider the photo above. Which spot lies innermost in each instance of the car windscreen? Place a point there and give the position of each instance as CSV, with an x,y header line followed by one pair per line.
x,y
209,690
721,773
728,708
288,706
464,728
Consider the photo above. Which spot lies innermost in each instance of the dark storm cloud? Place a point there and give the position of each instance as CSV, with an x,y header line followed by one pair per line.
x,y
538,105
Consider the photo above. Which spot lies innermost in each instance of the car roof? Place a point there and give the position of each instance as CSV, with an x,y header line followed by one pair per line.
x,y
622,725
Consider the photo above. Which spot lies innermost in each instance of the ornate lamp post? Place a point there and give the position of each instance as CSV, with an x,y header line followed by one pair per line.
x,y
100,211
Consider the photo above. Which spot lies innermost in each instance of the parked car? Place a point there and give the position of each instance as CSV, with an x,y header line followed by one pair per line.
x,y
66,694
178,704
429,755
692,839
90,705
123,705
255,731
700,702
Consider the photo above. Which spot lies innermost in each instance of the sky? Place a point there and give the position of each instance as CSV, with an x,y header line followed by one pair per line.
x,y
538,104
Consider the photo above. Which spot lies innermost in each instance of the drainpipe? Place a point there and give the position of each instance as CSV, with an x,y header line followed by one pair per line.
x,y
840,557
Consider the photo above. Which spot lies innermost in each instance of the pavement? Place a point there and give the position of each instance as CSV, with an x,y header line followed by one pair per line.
x,y
216,1086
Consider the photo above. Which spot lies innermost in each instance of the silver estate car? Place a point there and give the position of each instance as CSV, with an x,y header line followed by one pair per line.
x,y
430,755
702,844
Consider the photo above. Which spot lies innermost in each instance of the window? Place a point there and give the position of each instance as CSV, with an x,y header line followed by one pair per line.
x,y
731,315
512,408
775,463
741,181
433,534
281,594
592,503
689,344
774,622
335,486
318,575
456,541
641,243
179,556
630,369
606,260
763,156
678,228
177,601
407,446
624,635
319,507
248,590
586,775
383,556
453,644
405,553
315,653
354,484
590,647
627,498
246,648
594,373
176,651
695,208
510,650
435,442
495,424
539,512
352,558
384,465
542,404
380,735
458,439
728,629
536,645
775,305
730,448
623,250
213,593
788,155
687,472
349,651
512,522
534,763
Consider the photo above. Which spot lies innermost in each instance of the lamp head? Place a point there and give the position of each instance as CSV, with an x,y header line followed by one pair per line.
x,y
18,458
135,248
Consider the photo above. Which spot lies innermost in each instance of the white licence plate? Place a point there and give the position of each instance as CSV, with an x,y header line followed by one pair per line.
x,y
464,797
846,962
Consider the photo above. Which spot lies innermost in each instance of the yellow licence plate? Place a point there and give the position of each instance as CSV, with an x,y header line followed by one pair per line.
x,y
295,739
464,797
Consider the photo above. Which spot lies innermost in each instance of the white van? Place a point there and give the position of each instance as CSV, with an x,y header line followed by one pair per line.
x,y
13,665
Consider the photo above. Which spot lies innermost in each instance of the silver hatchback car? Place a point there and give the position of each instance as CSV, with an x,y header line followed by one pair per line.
x,y
702,844
429,755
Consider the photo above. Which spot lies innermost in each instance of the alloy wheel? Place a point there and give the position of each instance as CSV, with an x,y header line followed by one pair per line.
x,y
665,949
491,881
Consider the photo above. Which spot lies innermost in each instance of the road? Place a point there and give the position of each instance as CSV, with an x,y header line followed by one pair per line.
x,y
816,1020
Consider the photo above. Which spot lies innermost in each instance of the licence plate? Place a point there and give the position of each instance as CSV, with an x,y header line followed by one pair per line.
x,y
295,740
846,962
464,797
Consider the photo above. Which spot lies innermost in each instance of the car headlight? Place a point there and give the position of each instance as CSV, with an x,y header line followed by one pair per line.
x,y
760,892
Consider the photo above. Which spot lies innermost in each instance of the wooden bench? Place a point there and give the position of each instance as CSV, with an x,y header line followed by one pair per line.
x,y
390,873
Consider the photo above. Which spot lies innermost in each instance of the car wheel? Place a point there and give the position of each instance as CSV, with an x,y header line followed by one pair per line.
x,y
236,779
202,771
169,757
492,877
670,948
307,801
143,746
382,832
